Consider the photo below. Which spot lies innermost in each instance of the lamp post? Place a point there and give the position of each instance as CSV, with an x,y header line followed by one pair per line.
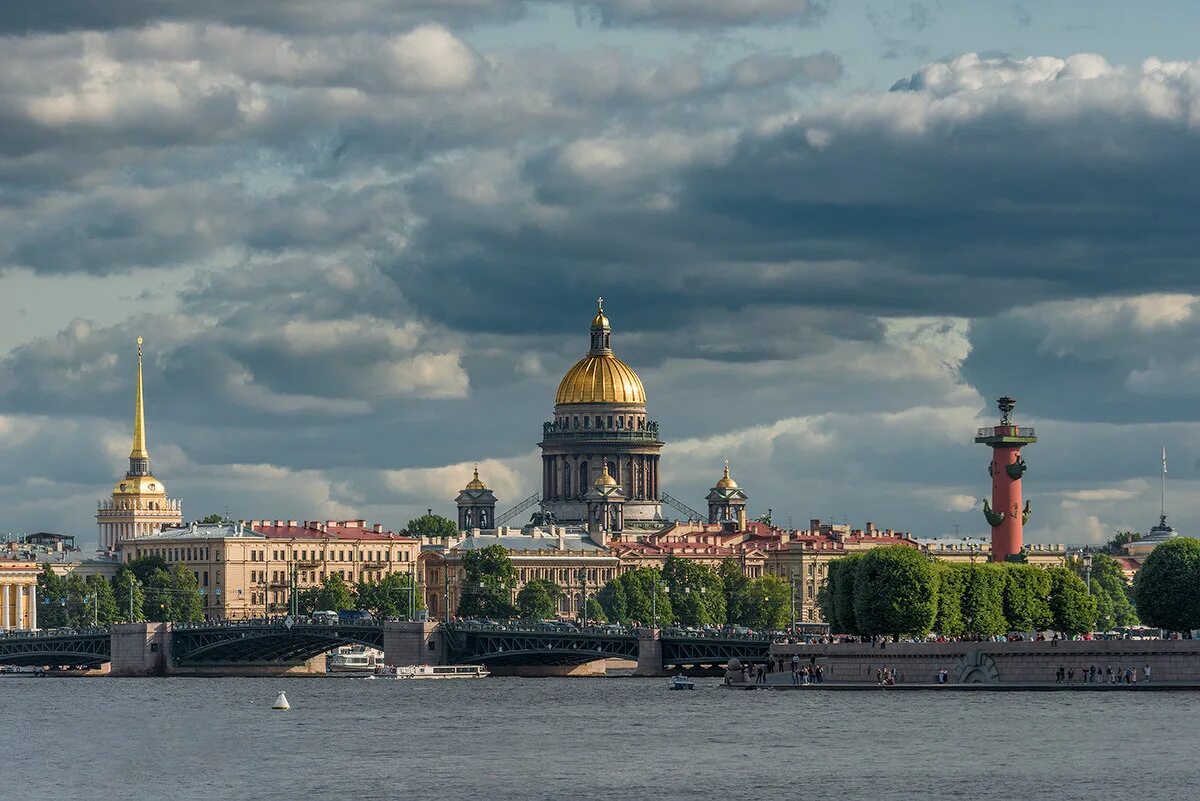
x,y
654,603
581,574
793,589
1087,570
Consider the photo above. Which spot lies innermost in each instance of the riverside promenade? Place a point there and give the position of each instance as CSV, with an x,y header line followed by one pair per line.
x,y
1025,665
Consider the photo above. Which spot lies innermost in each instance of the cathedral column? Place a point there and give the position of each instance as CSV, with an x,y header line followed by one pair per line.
x,y
7,624
20,606
33,606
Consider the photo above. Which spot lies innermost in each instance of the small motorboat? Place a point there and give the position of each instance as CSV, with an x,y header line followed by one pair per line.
x,y
681,682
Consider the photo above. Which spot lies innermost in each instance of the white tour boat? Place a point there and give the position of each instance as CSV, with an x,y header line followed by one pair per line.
x,y
354,659
682,682
432,672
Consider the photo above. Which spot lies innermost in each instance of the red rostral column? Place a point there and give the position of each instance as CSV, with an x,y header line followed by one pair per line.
x,y
1005,514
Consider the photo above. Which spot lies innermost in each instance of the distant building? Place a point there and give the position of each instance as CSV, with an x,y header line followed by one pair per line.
x,y
139,505
245,569
18,595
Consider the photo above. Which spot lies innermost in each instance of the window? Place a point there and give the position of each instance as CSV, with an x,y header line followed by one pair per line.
x,y
587,422
205,578
610,421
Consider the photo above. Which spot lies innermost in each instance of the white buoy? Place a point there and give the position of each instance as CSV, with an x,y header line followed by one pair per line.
x,y
281,702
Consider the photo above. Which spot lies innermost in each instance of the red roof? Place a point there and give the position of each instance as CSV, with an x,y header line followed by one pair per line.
x,y
327,530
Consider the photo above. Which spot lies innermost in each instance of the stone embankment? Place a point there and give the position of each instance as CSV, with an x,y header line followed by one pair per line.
x,y
1174,661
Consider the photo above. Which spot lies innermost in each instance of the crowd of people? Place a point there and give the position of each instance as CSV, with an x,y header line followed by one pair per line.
x,y
1094,674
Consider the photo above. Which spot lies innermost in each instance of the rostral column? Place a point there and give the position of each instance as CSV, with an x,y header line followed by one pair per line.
x,y
1006,515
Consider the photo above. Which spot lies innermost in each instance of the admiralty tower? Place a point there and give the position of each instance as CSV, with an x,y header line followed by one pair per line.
x,y
600,421
139,505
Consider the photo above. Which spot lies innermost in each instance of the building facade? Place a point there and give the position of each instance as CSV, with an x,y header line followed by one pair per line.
x,y
18,595
139,505
246,569
600,421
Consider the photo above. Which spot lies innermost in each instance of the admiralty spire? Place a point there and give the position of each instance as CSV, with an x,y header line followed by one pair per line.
x,y
139,505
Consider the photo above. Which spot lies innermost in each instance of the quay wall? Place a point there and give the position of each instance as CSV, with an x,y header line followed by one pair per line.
x,y
996,662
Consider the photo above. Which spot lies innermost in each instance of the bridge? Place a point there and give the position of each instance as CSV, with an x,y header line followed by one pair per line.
x,y
276,646
513,644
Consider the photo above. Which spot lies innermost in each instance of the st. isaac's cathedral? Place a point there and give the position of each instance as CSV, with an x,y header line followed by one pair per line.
x,y
600,457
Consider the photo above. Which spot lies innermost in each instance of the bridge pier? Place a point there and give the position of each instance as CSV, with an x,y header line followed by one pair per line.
x,y
414,643
140,649
650,653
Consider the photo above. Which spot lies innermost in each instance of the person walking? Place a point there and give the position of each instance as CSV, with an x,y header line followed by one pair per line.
x,y
1146,673
795,672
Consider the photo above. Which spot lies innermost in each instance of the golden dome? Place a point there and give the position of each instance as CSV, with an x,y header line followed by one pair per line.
x,y
139,485
601,378
726,482
475,483
604,479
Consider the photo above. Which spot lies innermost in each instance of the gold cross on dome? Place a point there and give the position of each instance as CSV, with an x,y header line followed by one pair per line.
x,y
600,303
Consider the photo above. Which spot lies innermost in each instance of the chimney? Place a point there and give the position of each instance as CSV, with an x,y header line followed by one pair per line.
x,y
292,523
741,518
378,527
279,523
562,539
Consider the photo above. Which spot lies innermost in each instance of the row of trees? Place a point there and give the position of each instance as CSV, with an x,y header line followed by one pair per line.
x,y
897,590
144,589
390,596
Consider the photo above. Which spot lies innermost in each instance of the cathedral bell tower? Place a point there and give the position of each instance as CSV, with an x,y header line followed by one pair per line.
x,y
605,508
139,505
727,502
476,505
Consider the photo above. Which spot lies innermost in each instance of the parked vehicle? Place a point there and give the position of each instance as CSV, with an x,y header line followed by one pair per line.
x,y
348,616
327,617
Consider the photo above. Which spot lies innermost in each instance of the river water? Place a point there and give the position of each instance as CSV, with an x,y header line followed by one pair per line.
x,y
530,739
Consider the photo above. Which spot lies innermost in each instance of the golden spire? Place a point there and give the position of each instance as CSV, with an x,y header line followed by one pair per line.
x,y
600,321
605,479
139,416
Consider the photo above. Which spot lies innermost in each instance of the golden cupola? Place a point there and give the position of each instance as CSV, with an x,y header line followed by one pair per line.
x,y
726,481
600,377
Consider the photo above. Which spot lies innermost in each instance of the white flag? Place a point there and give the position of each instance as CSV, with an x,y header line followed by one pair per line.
x,y
1164,460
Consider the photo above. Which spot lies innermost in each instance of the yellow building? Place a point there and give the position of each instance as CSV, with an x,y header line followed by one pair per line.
x,y
18,595
244,569
139,505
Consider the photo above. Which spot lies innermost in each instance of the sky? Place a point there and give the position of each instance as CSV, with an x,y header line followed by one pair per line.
x,y
363,242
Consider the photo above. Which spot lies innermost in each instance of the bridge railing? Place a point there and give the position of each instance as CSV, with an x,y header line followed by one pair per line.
x,y
25,634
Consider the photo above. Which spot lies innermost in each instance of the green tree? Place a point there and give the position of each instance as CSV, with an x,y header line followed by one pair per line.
x,y
209,520
983,598
595,611
952,582
767,603
332,595
431,525
1027,598
489,581
637,597
1073,609
390,596
843,594
697,592
895,591
1122,538
1108,579
614,601
1167,588
79,606
188,604
106,602
144,566
538,600
52,599
127,592
734,585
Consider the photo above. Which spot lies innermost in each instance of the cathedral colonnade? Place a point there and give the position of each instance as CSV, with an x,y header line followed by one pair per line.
x,y
18,596
568,477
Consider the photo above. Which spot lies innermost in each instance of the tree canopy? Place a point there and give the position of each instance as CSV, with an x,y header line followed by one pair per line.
x,y
333,595
1167,588
696,590
488,584
538,600
390,596
895,591
431,525
628,598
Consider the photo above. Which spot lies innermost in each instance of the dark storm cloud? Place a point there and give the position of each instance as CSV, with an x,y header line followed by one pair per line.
x,y
704,14
30,16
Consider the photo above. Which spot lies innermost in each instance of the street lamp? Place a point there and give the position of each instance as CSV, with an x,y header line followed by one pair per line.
x,y
1087,570
581,574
